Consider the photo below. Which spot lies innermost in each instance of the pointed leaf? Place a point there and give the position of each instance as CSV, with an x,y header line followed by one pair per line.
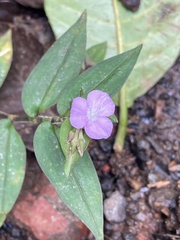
x,y
12,166
100,24
155,25
60,64
108,76
80,191
113,118
5,55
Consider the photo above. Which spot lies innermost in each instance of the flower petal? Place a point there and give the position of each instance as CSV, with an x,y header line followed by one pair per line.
x,y
78,113
101,128
102,102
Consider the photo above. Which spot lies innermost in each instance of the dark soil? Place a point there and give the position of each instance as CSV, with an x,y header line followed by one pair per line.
x,y
147,173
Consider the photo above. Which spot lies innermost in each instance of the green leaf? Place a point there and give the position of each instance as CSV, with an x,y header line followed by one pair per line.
x,y
2,219
155,25
5,55
108,76
100,24
73,143
60,65
113,118
96,53
12,166
80,191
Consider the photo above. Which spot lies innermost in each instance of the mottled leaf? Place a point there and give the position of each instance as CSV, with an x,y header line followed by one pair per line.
x,y
80,191
12,166
5,55
60,64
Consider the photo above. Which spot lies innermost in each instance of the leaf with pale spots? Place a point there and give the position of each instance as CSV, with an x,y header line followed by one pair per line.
x,y
156,25
59,66
5,55
12,166
81,191
108,76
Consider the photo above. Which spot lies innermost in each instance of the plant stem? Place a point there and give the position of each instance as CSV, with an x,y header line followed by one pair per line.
x,y
8,115
55,120
123,117
123,113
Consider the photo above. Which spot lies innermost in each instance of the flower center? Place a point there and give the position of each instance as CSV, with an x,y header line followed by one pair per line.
x,y
92,114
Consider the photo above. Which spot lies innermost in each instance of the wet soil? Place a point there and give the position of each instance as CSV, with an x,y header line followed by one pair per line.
x,y
146,174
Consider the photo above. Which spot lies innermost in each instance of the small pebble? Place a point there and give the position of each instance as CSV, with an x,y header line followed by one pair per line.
x,y
143,145
142,156
106,168
122,186
115,207
144,190
107,183
168,145
15,232
106,148
155,145
116,236
146,121
152,178
140,217
135,196
162,198
129,236
132,5
164,96
145,113
132,209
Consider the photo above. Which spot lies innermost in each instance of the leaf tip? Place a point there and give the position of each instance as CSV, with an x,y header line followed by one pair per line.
x,y
84,13
83,16
139,47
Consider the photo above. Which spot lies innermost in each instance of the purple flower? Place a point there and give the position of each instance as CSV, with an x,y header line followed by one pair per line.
x,y
92,114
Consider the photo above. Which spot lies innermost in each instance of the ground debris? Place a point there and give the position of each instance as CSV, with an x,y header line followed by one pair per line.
x,y
159,184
